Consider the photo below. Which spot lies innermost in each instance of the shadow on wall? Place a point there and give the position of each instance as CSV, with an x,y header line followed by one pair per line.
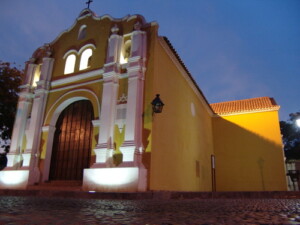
x,y
246,161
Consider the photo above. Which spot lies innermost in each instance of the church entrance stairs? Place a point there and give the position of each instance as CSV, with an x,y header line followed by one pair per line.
x,y
60,185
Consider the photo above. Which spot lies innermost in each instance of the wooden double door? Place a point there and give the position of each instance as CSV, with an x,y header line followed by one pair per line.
x,y
72,142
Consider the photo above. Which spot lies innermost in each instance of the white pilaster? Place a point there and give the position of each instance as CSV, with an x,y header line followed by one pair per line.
x,y
136,70
107,118
47,162
105,145
24,103
37,116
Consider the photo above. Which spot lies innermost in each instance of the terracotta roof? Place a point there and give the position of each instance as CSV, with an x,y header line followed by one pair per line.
x,y
244,106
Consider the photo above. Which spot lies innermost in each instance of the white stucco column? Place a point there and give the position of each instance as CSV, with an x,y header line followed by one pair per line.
x,y
51,131
136,73
33,134
105,146
23,108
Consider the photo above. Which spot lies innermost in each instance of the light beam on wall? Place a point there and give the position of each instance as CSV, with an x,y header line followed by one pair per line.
x,y
104,178
13,178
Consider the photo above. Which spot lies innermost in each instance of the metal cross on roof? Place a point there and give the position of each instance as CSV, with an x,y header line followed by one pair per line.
x,y
88,3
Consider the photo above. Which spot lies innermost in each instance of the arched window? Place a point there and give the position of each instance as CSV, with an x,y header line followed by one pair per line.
x,y
85,59
70,64
126,52
36,75
82,32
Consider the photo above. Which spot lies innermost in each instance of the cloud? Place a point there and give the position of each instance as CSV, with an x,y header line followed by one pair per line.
x,y
224,79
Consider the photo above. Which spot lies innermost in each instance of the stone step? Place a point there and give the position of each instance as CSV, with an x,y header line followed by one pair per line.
x,y
54,188
62,185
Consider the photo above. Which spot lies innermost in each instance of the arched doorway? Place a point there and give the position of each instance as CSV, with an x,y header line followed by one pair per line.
x,y
72,142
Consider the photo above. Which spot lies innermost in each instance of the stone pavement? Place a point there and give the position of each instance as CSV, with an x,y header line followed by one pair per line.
x,y
58,210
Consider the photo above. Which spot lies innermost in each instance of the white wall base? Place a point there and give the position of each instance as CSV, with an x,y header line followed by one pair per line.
x,y
111,179
101,155
14,179
13,160
26,159
128,153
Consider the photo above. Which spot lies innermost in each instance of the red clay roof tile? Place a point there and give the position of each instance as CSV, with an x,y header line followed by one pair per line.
x,y
246,105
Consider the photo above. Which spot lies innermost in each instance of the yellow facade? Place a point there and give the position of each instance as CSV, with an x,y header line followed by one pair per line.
x,y
170,151
182,134
248,152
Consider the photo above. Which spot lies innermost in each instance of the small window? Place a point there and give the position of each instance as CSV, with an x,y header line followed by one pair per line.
x,y
85,60
70,64
82,32
36,75
126,52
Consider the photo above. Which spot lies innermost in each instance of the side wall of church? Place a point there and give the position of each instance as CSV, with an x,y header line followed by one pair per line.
x,y
182,134
249,155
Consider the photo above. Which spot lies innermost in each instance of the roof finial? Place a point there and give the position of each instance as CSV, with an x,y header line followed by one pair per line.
x,y
137,25
88,3
115,29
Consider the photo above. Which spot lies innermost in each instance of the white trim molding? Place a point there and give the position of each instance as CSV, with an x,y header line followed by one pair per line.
x,y
78,77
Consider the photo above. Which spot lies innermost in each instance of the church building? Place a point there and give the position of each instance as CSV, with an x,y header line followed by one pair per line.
x,y
110,104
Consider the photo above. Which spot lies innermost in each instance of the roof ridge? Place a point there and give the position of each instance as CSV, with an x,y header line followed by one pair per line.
x,y
239,100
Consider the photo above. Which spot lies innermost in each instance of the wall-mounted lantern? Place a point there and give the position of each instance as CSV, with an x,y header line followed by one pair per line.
x,y
157,104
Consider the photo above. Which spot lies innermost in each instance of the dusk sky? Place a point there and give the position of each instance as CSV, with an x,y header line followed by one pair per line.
x,y
235,49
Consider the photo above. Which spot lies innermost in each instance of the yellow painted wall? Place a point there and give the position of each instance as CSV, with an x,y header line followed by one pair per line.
x,y
249,155
179,138
43,145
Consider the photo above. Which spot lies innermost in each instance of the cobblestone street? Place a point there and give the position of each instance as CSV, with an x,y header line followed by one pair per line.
x,y
42,210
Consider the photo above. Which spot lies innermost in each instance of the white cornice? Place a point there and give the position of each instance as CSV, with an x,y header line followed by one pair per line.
x,y
76,85
78,77
184,73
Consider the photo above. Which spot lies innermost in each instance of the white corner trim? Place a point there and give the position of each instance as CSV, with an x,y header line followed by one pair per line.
x,y
78,77
185,75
